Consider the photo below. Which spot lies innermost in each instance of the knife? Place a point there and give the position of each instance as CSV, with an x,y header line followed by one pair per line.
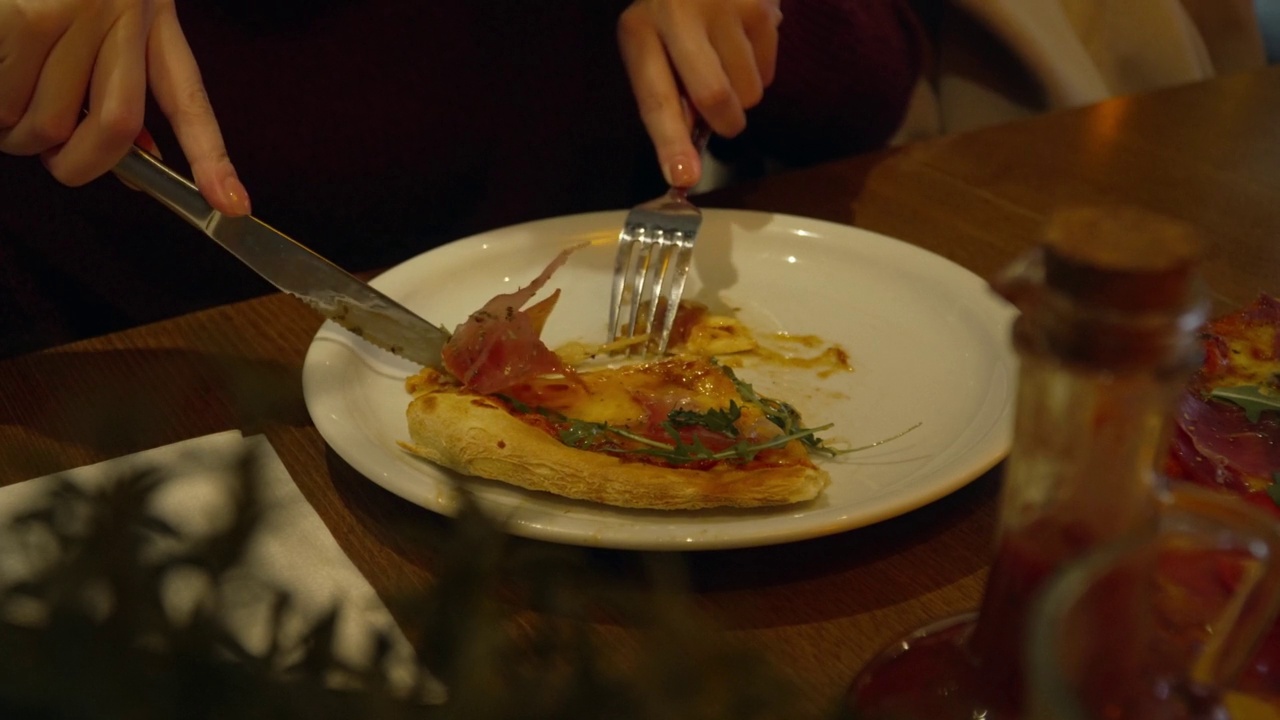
x,y
292,267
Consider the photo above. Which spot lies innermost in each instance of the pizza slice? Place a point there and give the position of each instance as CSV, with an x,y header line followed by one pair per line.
x,y
680,432
1226,430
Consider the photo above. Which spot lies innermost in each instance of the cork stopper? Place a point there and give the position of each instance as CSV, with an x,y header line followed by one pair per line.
x,y
1123,259
1112,287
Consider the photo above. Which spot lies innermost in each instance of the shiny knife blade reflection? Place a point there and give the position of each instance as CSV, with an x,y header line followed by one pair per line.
x,y
292,267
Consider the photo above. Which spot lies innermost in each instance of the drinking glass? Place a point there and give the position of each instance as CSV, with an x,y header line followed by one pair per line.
x,y
1211,602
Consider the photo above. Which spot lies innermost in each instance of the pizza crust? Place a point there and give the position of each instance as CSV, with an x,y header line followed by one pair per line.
x,y
476,435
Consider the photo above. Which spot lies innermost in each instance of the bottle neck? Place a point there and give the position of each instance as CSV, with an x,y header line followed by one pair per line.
x,y
1086,443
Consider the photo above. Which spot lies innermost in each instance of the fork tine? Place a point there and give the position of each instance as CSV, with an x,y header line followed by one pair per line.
x,y
681,257
648,301
640,281
630,269
622,270
651,266
656,239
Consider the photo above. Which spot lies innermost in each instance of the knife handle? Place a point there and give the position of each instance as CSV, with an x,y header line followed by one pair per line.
x,y
146,173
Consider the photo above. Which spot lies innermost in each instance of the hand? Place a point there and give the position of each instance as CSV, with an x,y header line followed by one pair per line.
x,y
59,56
723,53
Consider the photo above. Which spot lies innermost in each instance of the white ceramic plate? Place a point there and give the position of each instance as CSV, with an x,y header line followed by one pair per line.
x,y
927,339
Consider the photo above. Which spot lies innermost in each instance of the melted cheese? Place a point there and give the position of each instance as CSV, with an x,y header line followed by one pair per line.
x,y
1253,361
640,394
696,332
718,335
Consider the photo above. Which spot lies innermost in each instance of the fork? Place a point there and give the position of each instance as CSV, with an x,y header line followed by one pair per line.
x,y
655,250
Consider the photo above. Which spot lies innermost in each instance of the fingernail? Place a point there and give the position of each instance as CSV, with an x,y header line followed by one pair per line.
x,y
235,196
680,173
148,143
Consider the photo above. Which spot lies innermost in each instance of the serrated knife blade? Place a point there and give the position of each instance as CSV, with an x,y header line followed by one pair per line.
x,y
291,266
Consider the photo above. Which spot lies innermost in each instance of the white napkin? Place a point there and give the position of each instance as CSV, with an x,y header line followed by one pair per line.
x,y
292,550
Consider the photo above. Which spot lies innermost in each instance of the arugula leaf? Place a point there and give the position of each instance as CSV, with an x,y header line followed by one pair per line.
x,y
779,413
1273,490
580,434
517,405
787,418
742,451
1253,398
603,437
600,437
716,420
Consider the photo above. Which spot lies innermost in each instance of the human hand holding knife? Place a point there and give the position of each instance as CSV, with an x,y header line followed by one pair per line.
x,y
290,266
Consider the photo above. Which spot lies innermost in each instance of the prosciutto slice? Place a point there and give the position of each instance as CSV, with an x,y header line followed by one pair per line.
x,y
1213,442
500,346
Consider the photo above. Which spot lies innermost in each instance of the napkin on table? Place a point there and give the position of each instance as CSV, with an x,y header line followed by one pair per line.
x,y
291,551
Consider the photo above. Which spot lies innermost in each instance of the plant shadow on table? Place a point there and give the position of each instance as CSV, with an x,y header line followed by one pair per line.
x,y
85,631
88,419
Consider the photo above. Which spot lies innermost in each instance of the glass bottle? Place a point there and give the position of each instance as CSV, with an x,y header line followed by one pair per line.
x,y
1110,304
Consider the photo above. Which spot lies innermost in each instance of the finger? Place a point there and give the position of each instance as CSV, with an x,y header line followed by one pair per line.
x,y
705,83
26,39
762,33
738,59
117,98
180,92
54,110
145,141
658,99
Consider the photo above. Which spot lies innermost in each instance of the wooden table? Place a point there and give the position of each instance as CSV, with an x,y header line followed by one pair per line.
x,y
1208,154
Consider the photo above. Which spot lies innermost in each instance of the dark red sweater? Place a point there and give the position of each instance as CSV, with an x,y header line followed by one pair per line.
x,y
373,130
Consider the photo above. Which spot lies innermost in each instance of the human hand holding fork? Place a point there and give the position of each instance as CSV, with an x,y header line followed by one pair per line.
x,y
655,252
